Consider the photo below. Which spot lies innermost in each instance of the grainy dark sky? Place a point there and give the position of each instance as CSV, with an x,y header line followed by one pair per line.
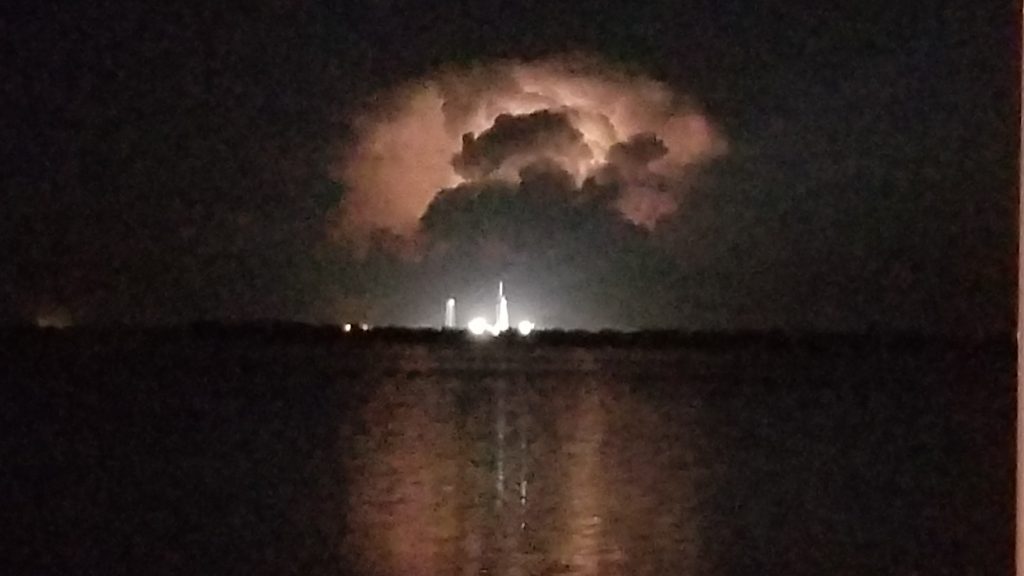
x,y
173,164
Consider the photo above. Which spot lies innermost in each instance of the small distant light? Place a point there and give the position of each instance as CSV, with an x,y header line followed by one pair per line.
x,y
54,319
347,328
478,326
525,327
364,327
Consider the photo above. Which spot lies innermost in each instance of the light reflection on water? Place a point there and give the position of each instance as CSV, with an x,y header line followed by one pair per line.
x,y
392,458
519,473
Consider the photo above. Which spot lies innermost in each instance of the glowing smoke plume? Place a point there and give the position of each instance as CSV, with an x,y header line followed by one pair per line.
x,y
489,123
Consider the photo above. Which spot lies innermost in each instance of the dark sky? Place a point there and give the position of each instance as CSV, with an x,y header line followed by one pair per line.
x,y
174,164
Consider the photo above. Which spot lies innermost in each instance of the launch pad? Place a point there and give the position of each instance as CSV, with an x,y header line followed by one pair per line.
x,y
479,326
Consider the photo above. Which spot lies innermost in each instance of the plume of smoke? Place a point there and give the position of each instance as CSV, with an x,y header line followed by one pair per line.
x,y
466,126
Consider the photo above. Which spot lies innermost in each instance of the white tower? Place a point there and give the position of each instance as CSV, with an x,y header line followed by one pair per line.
x,y
449,314
501,324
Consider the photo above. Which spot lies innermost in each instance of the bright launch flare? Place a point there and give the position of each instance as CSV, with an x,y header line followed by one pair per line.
x,y
525,327
478,326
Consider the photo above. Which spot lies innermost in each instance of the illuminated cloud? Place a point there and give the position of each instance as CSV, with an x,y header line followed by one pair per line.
x,y
495,123
514,142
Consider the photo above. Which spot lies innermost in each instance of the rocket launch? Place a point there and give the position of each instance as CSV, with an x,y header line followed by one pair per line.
x,y
501,324
479,326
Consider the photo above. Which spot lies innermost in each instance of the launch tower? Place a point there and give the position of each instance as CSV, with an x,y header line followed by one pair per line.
x,y
449,314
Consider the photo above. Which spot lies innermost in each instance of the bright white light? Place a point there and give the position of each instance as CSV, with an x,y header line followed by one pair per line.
x,y
478,326
525,327
348,328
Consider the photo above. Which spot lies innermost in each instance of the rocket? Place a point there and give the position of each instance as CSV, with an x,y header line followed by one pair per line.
x,y
501,324
479,326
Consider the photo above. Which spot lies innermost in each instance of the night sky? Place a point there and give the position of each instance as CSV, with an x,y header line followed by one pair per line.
x,y
775,165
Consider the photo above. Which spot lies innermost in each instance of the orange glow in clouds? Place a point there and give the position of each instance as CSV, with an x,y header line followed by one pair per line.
x,y
403,146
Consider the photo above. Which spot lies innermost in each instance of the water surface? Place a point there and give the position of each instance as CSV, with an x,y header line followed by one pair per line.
x,y
168,456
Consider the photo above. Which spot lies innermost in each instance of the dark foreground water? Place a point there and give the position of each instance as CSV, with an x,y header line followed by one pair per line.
x,y
175,454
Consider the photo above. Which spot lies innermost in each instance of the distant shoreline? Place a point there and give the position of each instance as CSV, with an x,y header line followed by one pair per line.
x,y
301,333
